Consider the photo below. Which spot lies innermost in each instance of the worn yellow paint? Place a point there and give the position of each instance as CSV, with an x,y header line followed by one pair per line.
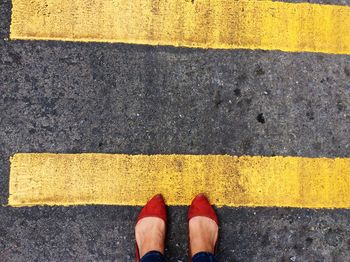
x,y
80,179
223,24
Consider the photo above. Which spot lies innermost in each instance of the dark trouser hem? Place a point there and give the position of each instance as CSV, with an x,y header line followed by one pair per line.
x,y
153,256
204,257
156,256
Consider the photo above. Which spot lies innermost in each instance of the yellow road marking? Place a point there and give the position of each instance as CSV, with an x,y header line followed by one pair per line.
x,y
79,179
222,24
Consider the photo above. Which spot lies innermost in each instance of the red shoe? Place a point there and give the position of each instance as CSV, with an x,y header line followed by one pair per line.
x,y
154,208
201,207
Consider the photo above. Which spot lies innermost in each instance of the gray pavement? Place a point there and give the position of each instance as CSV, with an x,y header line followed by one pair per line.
x,y
106,234
78,97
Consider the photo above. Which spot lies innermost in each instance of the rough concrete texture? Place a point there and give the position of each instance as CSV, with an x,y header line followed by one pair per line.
x,y
72,97
66,97
106,234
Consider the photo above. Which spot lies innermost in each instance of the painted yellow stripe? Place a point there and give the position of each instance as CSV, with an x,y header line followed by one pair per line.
x,y
224,24
67,179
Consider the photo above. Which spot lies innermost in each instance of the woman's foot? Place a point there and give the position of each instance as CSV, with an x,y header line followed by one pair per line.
x,y
203,226
150,228
203,235
150,235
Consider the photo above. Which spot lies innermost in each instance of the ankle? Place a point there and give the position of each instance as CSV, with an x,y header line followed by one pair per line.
x,y
151,245
203,235
197,246
150,235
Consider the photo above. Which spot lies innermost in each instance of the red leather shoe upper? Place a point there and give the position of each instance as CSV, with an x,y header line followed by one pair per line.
x,y
154,208
201,207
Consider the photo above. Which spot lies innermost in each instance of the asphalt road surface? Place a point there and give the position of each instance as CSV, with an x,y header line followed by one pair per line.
x,y
87,97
